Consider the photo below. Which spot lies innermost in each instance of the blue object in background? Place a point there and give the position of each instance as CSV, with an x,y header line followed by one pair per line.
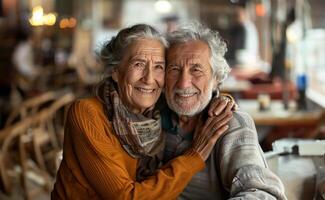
x,y
301,82
301,86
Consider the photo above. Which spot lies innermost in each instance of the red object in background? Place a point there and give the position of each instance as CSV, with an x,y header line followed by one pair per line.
x,y
260,10
262,84
8,6
274,89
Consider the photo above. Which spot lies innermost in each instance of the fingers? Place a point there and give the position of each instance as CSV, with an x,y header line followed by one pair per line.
x,y
230,106
221,107
235,107
217,124
216,119
222,104
224,120
205,146
204,125
214,104
218,133
217,106
208,132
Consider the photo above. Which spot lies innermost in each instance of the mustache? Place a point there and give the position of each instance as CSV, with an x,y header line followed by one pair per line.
x,y
186,91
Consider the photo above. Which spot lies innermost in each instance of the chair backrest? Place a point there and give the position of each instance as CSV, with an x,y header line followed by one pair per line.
x,y
17,128
32,105
10,134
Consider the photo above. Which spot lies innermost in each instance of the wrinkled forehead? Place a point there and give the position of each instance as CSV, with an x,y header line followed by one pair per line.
x,y
189,50
146,47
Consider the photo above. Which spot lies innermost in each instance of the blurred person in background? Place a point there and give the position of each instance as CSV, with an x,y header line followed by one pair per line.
x,y
23,60
244,41
171,23
113,143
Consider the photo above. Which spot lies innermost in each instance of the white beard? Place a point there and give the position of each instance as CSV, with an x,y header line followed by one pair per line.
x,y
194,110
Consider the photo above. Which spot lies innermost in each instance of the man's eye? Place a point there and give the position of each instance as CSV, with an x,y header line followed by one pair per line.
x,y
196,68
196,65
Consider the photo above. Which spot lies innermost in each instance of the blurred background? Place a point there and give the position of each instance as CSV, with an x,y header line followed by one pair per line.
x,y
276,49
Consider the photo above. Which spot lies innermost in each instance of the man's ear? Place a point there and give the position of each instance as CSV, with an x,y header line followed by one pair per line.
x,y
115,75
215,83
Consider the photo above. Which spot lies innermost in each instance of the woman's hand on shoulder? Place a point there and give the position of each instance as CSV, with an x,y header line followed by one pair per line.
x,y
207,133
221,104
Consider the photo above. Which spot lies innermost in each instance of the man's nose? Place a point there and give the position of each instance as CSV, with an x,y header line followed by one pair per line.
x,y
185,80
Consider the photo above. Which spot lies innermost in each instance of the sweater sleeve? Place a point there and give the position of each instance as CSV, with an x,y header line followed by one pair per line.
x,y
243,167
101,160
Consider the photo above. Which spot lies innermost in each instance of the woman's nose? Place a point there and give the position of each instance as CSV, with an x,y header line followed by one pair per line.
x,y
148,74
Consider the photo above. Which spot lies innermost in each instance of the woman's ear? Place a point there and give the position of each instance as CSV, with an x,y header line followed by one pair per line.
x,y
115,75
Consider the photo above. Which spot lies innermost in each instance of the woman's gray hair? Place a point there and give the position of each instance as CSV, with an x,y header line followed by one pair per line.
x,y
113,51
218,48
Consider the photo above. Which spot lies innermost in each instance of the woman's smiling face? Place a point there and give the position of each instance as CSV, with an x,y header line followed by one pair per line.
x,y
141,74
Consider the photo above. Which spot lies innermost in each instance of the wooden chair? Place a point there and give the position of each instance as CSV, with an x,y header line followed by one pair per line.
x,y
32,105
30,135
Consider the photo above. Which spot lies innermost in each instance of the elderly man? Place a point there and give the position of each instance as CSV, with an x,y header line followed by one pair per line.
x,y
236,168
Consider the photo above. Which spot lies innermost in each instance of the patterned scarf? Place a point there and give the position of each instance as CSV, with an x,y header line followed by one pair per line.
x,y
139,134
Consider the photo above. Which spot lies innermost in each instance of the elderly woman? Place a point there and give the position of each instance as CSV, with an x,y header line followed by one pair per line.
x,y
114,143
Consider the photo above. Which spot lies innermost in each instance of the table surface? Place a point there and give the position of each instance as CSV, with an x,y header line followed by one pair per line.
x,y
235,86
298,174
277,115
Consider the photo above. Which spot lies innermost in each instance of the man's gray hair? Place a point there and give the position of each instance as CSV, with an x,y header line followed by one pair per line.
x,y
112,52
218,48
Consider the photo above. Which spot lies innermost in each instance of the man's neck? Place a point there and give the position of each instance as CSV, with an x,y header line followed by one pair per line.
x,y
188,123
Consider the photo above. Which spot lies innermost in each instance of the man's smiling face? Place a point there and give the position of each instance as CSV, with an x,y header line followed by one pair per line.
x,y
189,77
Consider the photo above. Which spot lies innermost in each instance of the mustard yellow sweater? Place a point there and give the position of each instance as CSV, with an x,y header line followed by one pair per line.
x,y
95,166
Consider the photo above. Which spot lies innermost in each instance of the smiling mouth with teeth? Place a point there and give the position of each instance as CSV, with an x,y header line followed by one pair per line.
x,y
144,90
186,95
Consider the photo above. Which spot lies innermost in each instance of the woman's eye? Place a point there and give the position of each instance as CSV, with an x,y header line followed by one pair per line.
x,y
139,64
173,68
161,67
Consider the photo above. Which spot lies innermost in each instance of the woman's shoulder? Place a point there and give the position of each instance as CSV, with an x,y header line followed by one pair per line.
x,y
87,105
88,114
87,122
88,110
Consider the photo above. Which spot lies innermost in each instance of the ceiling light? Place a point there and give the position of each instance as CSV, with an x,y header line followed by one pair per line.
x,y
163,6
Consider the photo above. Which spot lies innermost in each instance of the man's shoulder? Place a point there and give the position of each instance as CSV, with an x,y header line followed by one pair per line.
x,y
241,120
241,131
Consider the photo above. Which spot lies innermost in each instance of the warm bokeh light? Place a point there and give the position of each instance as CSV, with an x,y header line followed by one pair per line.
x,y
72,22
37,16
64,23
49,19
39,19
68,22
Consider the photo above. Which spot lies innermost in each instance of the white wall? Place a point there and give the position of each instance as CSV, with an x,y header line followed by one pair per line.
x,y
143,11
